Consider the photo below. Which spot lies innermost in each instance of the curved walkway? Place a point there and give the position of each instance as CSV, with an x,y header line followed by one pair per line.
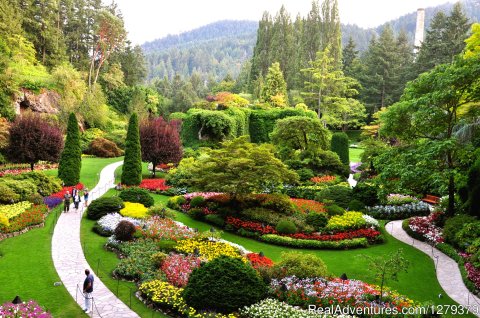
x,y
448,273
70,261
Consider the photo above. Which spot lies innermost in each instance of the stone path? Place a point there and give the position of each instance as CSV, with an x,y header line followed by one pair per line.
x,y
448,273
70,262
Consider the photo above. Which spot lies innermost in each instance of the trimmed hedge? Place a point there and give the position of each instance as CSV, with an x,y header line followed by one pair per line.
x,y
103,206
339,145
334,245
137,195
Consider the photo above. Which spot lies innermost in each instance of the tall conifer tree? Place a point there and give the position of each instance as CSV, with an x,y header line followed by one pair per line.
x,y
71,158
132,164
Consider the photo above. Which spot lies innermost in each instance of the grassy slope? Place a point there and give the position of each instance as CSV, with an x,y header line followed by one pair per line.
x,y
26,266
355,154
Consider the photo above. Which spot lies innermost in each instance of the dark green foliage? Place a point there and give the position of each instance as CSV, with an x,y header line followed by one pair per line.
x,y
286,227
333,209
215,219
71,158
453,225
132,164
365,192
305,174
473,185
317,220
196,213
104,148
356,205
97,228
339,145
197,201
301,265
224,285
124,231
102,206
137,195
467,238
341,195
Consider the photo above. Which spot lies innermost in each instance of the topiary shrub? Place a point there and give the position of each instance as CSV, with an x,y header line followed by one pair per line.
x,y
286,227
356,205
132,164
317,220
124,231
366,193
224,285
339,194
71,158
334,209
197,201
339,145
299,264
453,225
104,148
102,206
137,195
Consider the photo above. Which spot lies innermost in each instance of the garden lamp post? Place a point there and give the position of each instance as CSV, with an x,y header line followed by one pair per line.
x,y
118,187
343,278
212,230
17,300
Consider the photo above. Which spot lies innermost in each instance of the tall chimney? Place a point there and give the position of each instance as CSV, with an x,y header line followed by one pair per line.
x,y
419,29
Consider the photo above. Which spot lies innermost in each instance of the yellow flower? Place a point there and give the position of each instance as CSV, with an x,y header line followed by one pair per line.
x,y
134,210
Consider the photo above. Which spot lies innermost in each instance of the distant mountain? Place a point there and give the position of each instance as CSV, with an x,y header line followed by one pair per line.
x,y
221,48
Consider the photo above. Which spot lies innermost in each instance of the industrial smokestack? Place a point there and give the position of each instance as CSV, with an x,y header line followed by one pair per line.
x,y
419,30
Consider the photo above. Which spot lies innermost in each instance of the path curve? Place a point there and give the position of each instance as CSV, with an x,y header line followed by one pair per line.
x,y
70,261
448,273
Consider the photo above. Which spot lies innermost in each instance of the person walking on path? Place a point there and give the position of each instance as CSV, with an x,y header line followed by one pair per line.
x,y
85,196
76,200
74,191
66,201
87,291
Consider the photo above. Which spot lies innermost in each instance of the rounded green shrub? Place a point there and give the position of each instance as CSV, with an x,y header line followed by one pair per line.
x,y
46,185
339,145
339,194
137,195
71,159
334,209
215,219
305,174
196,213
97,228
453,225
167,245
366,193
176,202
102,206
7,195
161,211
197,201
301,265
124,231
356,205
317,220
224,285
286,227
23,188
104,148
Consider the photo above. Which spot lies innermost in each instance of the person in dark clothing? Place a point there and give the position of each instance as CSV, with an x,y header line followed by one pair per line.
x,y
88,290
66,202
76,200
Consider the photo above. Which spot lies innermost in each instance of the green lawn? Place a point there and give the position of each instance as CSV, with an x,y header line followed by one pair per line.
x,y
355,154
26,267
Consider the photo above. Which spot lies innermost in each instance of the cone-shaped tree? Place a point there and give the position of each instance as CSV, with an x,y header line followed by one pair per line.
x,y
339,145
71,159
132,164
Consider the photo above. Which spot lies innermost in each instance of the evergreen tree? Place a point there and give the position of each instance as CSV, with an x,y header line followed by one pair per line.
x,y
261,52
282,43
132,164
339,145
274,91
331,32
71,158
350,54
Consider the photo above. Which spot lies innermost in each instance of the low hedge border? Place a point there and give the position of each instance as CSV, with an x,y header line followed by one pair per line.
x,y
448,250
334,245
4,236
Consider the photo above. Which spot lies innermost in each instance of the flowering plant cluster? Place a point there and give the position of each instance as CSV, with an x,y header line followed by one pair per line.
x,y
205,195
61,194
208,250
134,210
259,261
52,202
397,212
354,167
28,309
346,221
369,234
154,184
206,211
372,222
399,199
110,221
306,206
274,308
32,216
158,228
178,267
331,292
250,225
165,294
425,226
473,274
14,169
323,179
12,210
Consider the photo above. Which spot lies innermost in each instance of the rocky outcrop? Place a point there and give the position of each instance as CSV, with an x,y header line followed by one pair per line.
x,y
45,102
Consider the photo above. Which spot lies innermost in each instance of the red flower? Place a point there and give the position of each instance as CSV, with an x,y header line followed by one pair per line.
x,y
258,261
60,194
154,184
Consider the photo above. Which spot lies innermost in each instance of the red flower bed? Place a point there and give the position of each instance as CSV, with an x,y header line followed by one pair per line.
x,y
251,226
473,274
60,194
367,233
306,206
14,169
258,261
154,184
186,207
323,179
34,215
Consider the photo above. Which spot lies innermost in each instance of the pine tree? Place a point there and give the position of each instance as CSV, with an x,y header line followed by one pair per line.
x,y
132,164
350,54
275,89
282,43
71,158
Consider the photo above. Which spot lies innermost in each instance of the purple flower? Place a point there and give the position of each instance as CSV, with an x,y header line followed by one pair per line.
x,y
29,309
52,202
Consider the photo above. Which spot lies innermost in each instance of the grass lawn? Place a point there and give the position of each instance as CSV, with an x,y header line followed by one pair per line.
x,y
26,267
355,154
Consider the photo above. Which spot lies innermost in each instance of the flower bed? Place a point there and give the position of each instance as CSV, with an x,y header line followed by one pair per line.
x,y
324,179
259,261
134,210
14,169
205,195
425,226
348,220
28,309
331,292
52,202
306,206
250,226
154,184
400,199
166,229
110,221
208,250
61,194
12,210
31,216
398,212
178,267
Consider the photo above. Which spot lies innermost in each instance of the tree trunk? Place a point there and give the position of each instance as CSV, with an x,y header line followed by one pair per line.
x,y
154,168
31,165
451,196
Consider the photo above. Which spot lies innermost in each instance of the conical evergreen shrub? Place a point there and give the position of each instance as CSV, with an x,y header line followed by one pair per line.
x,y
132,164
71,158
339,145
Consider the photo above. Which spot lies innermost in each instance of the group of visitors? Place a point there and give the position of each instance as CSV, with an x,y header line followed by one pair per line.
x,y
76,197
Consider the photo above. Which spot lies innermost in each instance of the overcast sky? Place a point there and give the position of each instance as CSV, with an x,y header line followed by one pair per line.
x,y
147,20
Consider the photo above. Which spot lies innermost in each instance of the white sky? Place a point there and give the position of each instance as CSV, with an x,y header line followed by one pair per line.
x,y
147,20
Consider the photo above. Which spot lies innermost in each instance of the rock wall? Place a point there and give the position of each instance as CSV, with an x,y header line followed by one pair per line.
x,y
45,102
